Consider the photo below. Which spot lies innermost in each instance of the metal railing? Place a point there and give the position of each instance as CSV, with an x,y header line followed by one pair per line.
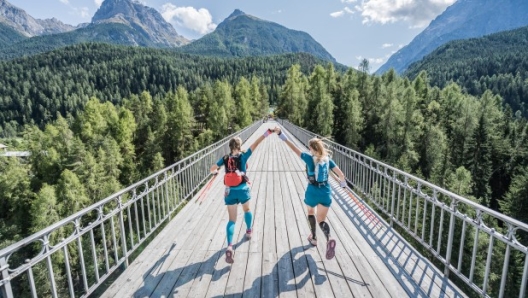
x,y
101,238
473,242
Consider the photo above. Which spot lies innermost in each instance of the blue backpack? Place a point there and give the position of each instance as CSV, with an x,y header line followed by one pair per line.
x,y
319,175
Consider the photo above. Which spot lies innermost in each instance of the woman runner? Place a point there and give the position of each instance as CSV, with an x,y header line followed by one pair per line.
x,y
318,192
237,190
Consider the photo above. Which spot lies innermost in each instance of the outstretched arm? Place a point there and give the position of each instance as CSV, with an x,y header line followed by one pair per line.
x,y
260,139
214,169
290,144
342,179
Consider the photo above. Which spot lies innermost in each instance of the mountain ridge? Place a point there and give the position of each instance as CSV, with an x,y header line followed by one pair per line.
x,y
25,24
243,35
464,19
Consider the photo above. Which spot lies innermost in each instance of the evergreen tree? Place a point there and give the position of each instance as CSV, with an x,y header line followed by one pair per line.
x,y
243,107
292,99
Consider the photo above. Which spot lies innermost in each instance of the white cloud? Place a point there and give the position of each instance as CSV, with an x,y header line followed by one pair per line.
x,y
198,20
337,14
348,1
65,1
386,45
341,13
417,12
98,3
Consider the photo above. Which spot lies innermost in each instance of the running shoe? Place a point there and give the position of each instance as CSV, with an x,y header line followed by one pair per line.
x,y
229,255
330,249
312,241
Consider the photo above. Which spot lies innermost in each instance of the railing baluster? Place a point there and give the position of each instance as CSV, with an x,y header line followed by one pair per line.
x,y
423,221
136,215
522,293
450,236
130,229
462,242
105,248
433,209
488,262
122,231
143,219
398,200
158,202
474,255
31,281
410,210
148,206
94,255
440,230
504,274
68,270
81,258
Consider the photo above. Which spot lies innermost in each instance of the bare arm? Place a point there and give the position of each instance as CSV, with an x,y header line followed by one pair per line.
x,y
293,147
256,143
339,173
288,142
260,139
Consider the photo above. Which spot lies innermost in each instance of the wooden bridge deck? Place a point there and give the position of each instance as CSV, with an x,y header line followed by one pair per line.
x,y
187,258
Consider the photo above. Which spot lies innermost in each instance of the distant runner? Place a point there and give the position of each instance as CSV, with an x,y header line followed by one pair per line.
x,y
237,190
318,191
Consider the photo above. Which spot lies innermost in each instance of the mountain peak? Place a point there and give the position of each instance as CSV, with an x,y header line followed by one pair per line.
x,y
236,13
134,14
19,20
241,35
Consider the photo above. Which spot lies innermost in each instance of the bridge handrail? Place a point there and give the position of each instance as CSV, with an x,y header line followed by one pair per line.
x,y
181,181
383,185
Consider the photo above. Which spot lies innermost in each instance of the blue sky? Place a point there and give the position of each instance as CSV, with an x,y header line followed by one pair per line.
x,y
349,29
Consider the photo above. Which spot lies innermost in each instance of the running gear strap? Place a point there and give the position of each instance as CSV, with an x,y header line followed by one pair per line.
x,y
268,132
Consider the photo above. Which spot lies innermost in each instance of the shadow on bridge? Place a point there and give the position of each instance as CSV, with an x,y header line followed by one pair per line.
x,y
378,233
267,285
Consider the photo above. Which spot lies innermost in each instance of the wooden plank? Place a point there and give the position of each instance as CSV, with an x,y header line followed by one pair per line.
x,y
175,268
364,258
192,230
269,284
138,272
337,280
312,259
252,281
188,273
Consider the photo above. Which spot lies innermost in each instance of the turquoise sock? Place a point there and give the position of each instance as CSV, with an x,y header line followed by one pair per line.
x,y
230,230
248,217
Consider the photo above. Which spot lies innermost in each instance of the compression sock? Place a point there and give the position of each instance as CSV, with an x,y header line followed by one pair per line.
x,y
311,220
326,229
230,230
248,218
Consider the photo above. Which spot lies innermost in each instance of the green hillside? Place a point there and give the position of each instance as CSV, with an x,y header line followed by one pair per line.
x,y
112,33
34,89
9,36
498,62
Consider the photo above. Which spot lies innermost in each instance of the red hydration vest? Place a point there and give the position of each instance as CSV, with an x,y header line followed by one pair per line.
x,y
234,175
